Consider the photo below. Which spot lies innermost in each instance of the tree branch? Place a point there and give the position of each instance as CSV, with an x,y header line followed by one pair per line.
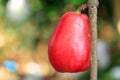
x,y
92,7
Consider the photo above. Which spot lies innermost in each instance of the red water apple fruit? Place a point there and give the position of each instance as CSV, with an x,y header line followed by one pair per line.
x,y
69,45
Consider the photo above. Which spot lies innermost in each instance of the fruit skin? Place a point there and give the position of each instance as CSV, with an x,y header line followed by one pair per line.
x,y
69,45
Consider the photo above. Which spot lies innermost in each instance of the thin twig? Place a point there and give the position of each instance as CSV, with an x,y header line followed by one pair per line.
x,y
92,7
83,8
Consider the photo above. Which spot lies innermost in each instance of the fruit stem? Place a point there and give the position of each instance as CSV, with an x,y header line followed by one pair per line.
x,y
83,8
77,12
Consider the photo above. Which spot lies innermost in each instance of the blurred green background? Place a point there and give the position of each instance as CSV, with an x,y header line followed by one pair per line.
x,y
26,26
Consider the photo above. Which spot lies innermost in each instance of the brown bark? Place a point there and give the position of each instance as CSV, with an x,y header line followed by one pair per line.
x,y
92,7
